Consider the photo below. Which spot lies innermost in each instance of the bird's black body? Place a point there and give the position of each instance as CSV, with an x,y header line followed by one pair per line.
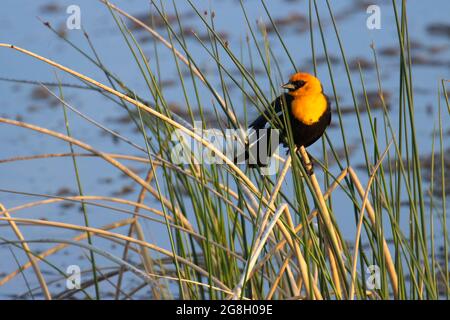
x,y
303,134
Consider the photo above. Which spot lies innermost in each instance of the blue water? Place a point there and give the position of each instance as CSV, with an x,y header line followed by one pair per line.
x,y
20,26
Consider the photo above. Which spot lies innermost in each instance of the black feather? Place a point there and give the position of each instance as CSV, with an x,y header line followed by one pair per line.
x,y
303,134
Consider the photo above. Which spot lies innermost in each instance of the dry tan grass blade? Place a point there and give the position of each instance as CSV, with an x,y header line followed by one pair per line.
x,y
31,257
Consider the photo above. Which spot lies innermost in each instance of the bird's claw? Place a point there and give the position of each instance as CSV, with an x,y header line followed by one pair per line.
x,y
306,162
309,167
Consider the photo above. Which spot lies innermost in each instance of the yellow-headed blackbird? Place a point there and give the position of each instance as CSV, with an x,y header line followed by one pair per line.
x,y
309,110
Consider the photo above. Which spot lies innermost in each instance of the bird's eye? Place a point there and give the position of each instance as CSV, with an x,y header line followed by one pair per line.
x,y
298,84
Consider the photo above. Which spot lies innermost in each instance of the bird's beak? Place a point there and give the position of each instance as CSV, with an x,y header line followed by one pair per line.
x,y
288,86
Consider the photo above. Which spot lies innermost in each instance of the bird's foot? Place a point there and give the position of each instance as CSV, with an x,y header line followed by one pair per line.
x,y
305,157
309,167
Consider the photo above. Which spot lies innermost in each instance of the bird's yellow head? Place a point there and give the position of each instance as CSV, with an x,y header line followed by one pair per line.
x,y
301,84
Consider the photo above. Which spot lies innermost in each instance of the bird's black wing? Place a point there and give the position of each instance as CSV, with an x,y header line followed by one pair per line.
x,y
260,140
277,107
